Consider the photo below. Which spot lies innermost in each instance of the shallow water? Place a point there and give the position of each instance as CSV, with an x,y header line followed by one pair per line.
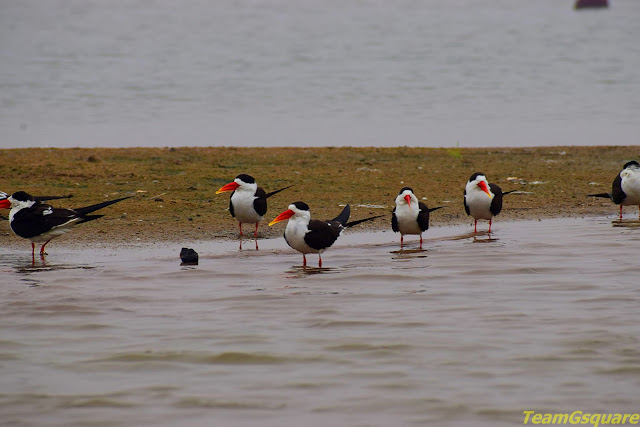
x,y
541,315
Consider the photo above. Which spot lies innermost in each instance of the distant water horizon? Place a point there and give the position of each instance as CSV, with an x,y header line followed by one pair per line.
x,y
467,73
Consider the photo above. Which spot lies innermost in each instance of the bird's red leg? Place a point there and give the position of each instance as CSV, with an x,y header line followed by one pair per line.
x,y
401,241
255,234
42,252
620,212
304,260
490,225
421,241
475,226
319,260
240,225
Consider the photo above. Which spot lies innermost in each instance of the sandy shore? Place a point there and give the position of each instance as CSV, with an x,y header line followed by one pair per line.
x,y
174,188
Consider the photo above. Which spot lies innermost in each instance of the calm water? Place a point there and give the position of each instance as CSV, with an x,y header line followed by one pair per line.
x,y
544,316
331,72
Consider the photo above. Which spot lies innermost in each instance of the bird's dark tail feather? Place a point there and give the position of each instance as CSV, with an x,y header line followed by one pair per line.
x,y
344,216
88,218
435,209
277,191
603,195
47,198
88,209
352,223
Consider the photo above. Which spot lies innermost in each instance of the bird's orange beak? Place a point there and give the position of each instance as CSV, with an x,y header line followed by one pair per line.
x,y
483,187
284,215
5,204
408,199
232,186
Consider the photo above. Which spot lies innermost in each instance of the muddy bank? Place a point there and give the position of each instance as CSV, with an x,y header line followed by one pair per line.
x,y
174,187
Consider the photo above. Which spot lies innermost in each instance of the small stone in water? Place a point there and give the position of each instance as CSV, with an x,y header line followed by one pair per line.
x,y
189,256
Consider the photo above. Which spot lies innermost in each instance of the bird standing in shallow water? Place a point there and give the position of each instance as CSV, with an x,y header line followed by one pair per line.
x,y
625,190
38,222
482,200
410,216
248,202
308,235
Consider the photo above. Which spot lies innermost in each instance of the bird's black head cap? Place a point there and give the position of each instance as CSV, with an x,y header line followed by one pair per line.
x,y
246,178
22,196
404,189
475,175
631,163
301,205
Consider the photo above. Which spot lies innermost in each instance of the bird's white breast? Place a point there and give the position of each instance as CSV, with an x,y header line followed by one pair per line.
x,y
243,208
630,184
294,235
478,203
407,217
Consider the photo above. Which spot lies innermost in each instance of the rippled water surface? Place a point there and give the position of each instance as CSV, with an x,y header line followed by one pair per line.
x,y
540,315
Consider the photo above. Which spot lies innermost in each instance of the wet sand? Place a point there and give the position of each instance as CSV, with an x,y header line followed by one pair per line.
x,y
174,188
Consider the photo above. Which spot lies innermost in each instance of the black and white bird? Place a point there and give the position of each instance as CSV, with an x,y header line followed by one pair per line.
x,y
248,202
38,222
625,190
313,236
482,200
410,216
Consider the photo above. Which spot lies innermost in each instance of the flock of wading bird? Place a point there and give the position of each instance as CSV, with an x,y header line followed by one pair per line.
x,y
39,222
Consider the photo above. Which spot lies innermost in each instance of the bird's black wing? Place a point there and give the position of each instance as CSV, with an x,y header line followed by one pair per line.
x,y
394,221
423,216
602,195
40,218
360,221
496,202
617,195
260,202
464,199
231,205
322,234
277,191
344,216
88,209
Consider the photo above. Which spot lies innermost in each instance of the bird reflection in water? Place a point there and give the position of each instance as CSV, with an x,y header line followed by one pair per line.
x,y
484,239
40,264
409,251
630,223
241,239
302,271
